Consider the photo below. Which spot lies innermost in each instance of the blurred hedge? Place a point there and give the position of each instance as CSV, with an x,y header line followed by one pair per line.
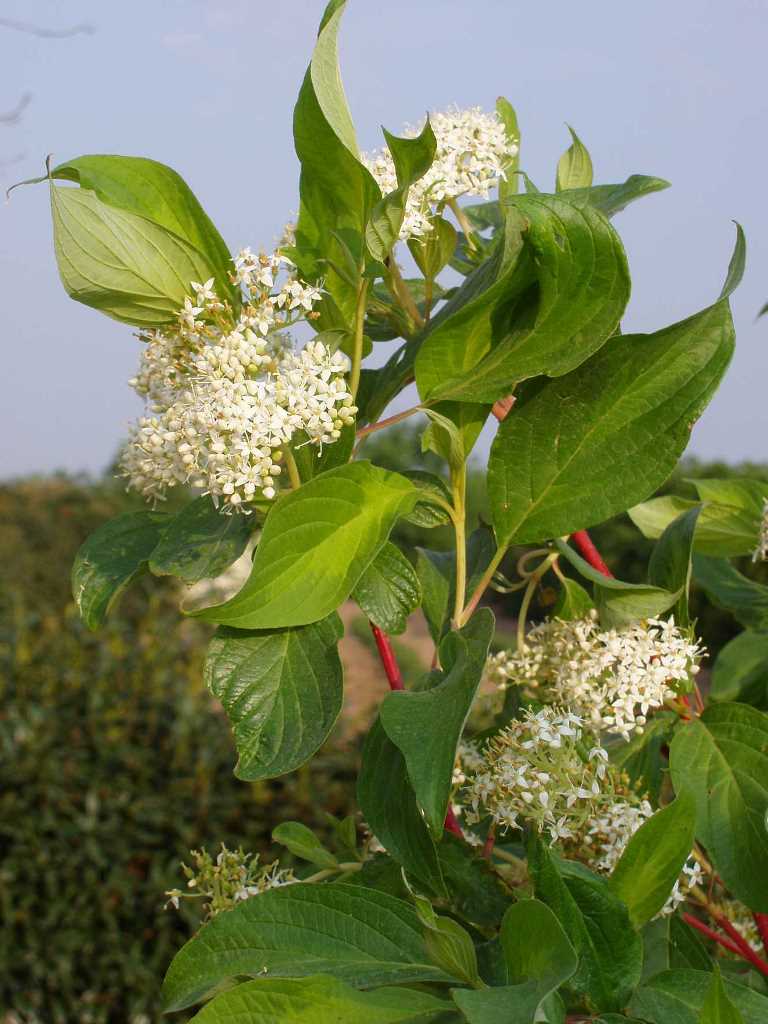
x,y
114,763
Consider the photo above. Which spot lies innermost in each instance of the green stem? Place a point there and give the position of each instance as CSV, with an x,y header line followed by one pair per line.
x,y
464,224
293,469
530,590
357,346
320,876
403,294
388,422
459,489
481,587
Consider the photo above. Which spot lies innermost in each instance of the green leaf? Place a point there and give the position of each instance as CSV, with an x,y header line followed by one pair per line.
x,y
723,757
677,997
551,295
737,264
200,542
584,447
509,183
320,999
612,199
574,169
434,571
389,590
130,268
641,759
686,948
476,890
359,935
597,924
452,431
302,842
740,672
725,586
717,1007
111,558
312,460
157,192
316,544
619,603
722,530
539,958
449,945
573,601
670,564
435,250
426,726
656,946
435,495
653,859
281,690
391,810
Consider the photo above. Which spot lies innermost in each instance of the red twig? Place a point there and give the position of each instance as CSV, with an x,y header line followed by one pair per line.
x,y
735,943
388,659
761,920
452,825
584,543
694,922
490,842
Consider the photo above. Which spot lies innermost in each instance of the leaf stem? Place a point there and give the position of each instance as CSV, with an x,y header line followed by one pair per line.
x,y
388,422
530,590
481,587
388,659
357,346
403,293
464,224
344,869
293,469
459,488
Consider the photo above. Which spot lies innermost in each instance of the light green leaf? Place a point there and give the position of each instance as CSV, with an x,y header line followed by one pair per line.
x,y
723,757
321,1000
453,429
670,564
281,690
740,672
612,199
110,559
316,544
426,726
302,842
573,602
721,530
574,169
389,590
157,192
200,542
653,859
391,810
725,586
551,295
434,251
431,509
737,264
510,182
678,996
584,447
130,268
359,935
718,1008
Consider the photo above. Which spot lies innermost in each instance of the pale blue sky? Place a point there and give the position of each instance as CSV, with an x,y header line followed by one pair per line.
x,y
676,89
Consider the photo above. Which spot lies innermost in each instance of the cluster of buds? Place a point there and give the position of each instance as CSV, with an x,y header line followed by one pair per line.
x,y
761,551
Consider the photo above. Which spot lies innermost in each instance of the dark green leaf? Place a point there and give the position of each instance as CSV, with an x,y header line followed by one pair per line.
x,y
389,807
434,569
656,946
723,757
200,542
426,726
582,448
389,590
612,199
725,586
477,892
670,564
596,922
677,997
737,264
316,544
574,169
157,192
549,298
322,1000
653,859
110,559
281,690
130,268
686,948
361,936
641,758
740,672
717,1007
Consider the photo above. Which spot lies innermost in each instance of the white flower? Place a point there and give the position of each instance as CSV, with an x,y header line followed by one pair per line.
x,y
612,678
472,153
761,551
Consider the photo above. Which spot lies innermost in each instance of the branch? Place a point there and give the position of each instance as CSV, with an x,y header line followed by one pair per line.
x,y
584,543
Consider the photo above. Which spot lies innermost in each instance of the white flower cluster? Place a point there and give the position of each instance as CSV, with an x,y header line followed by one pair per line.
x,y
608,833
538,770
612,678
473,151
227,396
761,551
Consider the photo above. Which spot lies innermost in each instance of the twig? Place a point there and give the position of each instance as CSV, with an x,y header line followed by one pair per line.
x,y
584,543
388,659
694,922
761,920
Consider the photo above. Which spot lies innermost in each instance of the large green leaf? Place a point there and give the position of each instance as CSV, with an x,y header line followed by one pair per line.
x,y
740,672
718,1008
282,691
538,959
726,587
157,192
316,544
723,757
721,530
126,266
110,559
549,298
612,199
598,925
389,590
389,807
426,726
577,450
670,564
677,997
653,859
200,542
321,1000
359,935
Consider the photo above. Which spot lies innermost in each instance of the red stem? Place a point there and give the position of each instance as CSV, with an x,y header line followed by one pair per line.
x,y
584,543
388,659
737,944
694,922
761,920
452,824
